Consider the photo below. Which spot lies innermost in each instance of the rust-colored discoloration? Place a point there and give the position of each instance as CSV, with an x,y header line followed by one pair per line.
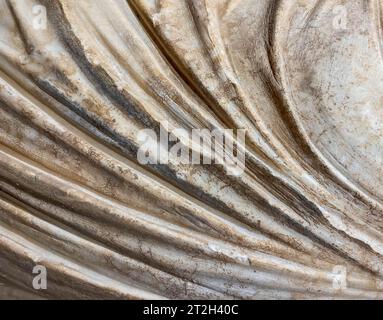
x,y
302,77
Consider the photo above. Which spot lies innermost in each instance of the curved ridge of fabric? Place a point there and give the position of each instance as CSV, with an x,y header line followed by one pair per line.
x,y
73,196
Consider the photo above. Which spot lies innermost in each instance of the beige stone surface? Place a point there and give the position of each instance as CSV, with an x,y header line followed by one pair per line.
x,y
304,78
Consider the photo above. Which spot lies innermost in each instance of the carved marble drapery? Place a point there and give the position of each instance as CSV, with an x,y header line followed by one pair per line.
x,y
73,96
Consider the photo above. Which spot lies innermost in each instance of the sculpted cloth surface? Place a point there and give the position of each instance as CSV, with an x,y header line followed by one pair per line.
x,y
303,78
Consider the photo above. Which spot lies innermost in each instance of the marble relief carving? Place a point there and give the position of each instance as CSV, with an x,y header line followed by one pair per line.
x,y
87,90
